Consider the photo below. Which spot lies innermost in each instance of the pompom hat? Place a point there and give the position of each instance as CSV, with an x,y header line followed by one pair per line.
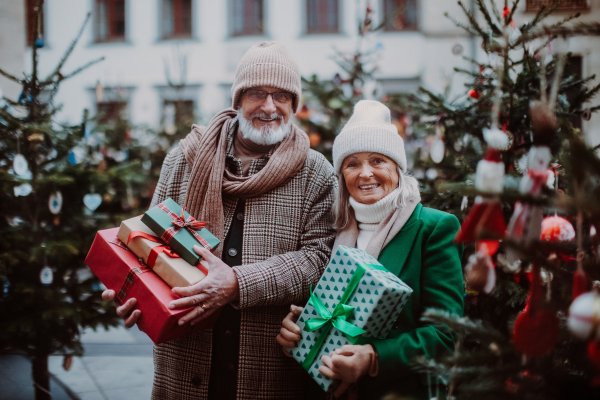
x,y
267,64
369,129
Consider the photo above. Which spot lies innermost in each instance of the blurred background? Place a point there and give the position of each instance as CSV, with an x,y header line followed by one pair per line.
x,y
170,63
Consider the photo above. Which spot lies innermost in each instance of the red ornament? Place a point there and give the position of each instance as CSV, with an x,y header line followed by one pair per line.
x,y
474,94
593,352
557,229
483,217
536,327
505,12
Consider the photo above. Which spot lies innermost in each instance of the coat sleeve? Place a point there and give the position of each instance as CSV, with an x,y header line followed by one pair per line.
x,y
286,278
441,288
165,180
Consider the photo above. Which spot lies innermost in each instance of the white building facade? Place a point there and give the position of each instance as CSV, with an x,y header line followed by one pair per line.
x,y
203,41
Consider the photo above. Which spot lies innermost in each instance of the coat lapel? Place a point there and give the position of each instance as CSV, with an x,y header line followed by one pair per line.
x,y
405,239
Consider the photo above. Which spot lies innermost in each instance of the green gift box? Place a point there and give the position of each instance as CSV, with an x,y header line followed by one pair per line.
x,y
179,230
356,301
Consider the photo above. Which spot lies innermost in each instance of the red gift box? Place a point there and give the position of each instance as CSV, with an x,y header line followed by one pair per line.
x,y
122,271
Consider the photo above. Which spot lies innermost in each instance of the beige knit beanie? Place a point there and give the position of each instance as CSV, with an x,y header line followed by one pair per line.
x,y
369,129
267,64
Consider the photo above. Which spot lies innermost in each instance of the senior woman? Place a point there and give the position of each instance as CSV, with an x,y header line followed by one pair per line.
x,y
378,210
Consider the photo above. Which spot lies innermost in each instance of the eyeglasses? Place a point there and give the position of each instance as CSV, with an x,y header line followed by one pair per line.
x,y
258,96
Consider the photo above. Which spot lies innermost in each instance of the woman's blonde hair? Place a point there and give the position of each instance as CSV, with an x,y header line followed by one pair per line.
x,y
342,210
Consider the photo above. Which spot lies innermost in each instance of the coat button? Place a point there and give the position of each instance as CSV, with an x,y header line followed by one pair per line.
x,y
240,216
196,381
232,252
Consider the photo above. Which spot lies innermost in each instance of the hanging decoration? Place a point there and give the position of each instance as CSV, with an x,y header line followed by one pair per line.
x,y
46,276
22,190
584,316
92,201
556,229
20,165
438,147
55,202
480,272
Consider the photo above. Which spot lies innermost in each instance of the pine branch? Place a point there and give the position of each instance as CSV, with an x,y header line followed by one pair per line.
x,y
9,76
462,325
509,17
68,51
461,25
472,20
488,18
82,68
496,10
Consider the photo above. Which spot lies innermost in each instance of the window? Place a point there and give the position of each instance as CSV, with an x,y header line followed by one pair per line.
x,y
400,15
567,5
322,16
178,113
110,112
110,20
246,17
176,18
34,28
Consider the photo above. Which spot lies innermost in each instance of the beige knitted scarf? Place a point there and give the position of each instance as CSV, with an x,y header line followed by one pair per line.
x,y
205,150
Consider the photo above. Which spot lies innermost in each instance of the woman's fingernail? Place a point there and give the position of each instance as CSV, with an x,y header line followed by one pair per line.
x,y
196,247
181,322
171,306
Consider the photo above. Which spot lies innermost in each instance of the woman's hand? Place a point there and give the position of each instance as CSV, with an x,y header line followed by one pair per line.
x,y
126,311
348,364
290,333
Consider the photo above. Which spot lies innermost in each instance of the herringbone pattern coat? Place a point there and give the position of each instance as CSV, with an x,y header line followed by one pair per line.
x,y
286,245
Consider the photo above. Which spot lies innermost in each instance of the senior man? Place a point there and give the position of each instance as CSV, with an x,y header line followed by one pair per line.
x,y
252,176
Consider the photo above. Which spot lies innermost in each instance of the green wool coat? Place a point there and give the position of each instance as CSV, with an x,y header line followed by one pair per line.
x,y
425,257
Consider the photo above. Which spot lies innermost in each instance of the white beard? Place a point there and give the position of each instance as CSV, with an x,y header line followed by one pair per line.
x,y
265,136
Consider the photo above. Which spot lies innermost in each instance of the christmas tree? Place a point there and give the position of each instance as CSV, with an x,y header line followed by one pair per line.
x,y
508,159
59,184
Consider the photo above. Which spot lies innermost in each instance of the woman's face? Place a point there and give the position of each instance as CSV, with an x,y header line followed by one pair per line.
x,y
369,176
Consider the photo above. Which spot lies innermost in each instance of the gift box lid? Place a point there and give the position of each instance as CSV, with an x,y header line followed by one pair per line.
x,y
159,220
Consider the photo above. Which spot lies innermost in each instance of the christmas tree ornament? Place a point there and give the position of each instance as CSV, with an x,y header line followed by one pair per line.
x,y
437,151
556,229
55,202
46,276
480,273
336,103
457,49
537,326
20,165
474,94
431,174
348,91
56,221
39,42
496,138
92,201
303,113
76,155
99,92
36,137
14,221
5,287
514,36
337,80
584,316
486,213
22,190
586,114
464,203
147,165
493,60
314,139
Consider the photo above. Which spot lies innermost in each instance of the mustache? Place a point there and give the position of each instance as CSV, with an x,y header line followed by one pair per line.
x,y
264,115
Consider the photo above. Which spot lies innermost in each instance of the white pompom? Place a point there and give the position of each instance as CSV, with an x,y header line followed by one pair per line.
x,y
584,315
495,138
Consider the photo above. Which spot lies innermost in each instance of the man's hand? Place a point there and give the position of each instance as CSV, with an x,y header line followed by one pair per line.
x,y
220,287
290,333
126,311
349,363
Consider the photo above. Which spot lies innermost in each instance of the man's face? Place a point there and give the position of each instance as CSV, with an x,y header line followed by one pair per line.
x,y
261,112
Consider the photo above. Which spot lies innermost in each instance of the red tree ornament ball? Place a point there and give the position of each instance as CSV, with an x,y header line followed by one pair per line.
x,y
557,229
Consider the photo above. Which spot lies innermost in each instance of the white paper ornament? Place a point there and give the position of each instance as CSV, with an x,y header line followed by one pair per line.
x,y
464,204
92,201
522,164
20,165
514,36
55,202
437,151
348,90
46,275
22,190
493,59
147,165
584,315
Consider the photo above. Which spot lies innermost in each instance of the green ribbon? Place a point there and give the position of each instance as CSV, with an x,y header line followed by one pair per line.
x,y
338,318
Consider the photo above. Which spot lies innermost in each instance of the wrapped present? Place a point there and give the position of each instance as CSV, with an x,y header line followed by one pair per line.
x,y
122,271
159,257
179,230
356,301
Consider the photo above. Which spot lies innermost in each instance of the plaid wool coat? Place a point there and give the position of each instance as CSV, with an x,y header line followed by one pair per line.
x,y
287,239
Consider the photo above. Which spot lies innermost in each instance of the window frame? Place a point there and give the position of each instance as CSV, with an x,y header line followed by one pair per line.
x,y
110,36
232,17
338,30
415,28
163,36
567,6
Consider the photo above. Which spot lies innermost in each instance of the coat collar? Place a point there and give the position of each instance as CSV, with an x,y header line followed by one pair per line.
x,y
405,239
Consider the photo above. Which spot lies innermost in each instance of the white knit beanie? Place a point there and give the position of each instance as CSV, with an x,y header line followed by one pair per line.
x,y
369,129
267,64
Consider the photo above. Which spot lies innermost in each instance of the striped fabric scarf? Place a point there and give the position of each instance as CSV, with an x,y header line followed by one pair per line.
x,y
205,150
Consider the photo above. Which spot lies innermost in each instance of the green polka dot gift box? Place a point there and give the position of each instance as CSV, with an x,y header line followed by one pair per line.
x,y
356,301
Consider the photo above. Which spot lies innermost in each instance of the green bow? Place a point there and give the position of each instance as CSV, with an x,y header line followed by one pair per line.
x,y
338,317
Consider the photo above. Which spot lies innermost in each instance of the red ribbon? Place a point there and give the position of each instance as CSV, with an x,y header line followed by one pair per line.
x,y
180,222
